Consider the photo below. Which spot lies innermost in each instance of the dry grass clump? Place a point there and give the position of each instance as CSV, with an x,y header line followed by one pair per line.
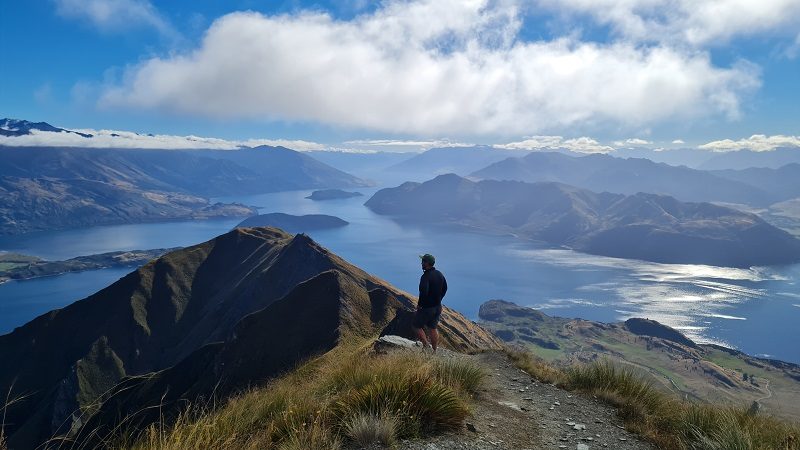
x,y
367,429
534,366
460,374
348,394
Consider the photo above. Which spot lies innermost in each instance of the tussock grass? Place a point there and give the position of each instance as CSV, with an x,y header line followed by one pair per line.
x,y
663,419
368,429
534,366
460,374
348,394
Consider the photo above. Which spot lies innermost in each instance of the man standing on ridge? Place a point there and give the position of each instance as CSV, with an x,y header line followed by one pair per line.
x,y
432,287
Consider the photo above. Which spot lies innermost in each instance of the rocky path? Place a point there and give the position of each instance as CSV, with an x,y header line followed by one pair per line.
x,y
516,412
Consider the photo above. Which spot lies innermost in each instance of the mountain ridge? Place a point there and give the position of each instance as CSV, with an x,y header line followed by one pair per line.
x,y
641,226
45,188
628,176
191,308
19,127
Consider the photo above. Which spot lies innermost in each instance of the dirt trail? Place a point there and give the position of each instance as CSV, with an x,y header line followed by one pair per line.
x,y
515,412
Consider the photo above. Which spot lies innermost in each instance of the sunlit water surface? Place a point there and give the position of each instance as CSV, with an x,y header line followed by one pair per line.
x,y
756,310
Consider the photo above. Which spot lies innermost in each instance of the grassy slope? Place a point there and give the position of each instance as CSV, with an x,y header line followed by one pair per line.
x,y
351,394
664,419
11,260
706,373
346,394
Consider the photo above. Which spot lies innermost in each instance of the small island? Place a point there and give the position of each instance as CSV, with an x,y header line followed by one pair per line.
x,y
293,224
14,266
332,194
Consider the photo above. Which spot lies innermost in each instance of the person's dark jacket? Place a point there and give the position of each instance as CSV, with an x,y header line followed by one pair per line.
x,y
432,287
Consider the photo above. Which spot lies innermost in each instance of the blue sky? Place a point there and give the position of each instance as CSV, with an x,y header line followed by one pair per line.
x,y
470,71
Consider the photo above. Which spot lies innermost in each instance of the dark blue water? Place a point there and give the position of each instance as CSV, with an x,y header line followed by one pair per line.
x,y
21,301
755,310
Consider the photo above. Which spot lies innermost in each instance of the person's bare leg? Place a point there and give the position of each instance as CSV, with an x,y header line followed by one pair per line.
x,y
422,337
433,334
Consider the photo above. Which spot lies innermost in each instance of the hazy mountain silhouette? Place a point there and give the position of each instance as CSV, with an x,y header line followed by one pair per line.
x,y
285,169
625,176
47,188
744,159
782,183
641,226
217,316
363,165
458,160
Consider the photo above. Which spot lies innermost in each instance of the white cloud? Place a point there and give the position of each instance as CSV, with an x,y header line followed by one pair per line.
x,y
127,139
580,145
586,145
395,70
405,143
678,141
632,142
116,15
693,22
395,145
756,143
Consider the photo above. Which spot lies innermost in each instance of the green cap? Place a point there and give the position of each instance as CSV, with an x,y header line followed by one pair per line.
x,y
428,258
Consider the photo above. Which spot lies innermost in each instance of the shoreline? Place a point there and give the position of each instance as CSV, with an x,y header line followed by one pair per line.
x,y
44,268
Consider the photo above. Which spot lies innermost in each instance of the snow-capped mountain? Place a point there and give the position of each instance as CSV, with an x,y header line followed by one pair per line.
x,y
17,127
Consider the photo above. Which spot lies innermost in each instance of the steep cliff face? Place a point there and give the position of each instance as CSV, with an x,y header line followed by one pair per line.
x,y
230,312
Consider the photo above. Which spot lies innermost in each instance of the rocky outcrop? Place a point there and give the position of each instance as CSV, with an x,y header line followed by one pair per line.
x,y
332,194
647,327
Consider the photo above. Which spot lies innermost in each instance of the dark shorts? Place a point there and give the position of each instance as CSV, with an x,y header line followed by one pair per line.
x,y
427,317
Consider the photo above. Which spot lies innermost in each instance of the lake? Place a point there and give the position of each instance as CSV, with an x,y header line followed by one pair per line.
x,y
755,310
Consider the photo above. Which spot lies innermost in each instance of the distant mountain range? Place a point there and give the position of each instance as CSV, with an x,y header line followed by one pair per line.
x,y
782,183
640,226
369,166
44,204
633,175
206,172
17,127
709,160
49,188
458,160
745,159
201,322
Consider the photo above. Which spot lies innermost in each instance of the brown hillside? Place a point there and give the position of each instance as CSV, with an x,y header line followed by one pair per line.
x,y
221,315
